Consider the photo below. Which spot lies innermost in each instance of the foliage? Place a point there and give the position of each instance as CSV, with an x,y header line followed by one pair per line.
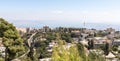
x,y
25,59
11,40
51,36
81,51
67,37
61,53
115,47
100,34
1,57
41,49
90,44
106,49
95,56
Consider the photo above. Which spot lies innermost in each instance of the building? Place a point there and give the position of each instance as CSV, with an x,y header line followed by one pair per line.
x,y
84,42
97,51
30,30
111,57
46,29
2,50
21,31
116,42
45,59
110,30
100,41
50,46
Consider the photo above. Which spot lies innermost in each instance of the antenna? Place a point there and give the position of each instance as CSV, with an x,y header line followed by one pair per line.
x,y
84,24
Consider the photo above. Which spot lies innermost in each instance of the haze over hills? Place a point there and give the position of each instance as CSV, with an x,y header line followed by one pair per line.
x,y
53,24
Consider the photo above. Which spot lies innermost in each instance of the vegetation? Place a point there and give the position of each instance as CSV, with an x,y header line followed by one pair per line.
x,y
115,47
74,53
81,51
96,56
61,53
15,46
1,57
90,44
41,49
11,40
106,49
67,37
100,34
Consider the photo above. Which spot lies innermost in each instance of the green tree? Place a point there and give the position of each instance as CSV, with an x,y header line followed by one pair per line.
x,y
96,56
11,40
106,50
81,51
41,49
115,47
61,53
90,44
67,37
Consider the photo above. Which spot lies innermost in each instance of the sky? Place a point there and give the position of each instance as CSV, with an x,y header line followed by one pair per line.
x,y
60,12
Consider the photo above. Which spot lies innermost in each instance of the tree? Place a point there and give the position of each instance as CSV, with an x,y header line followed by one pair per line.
x,y
81,51
67,37
106,50
95,56
61,53
90,44
11,40
115,47
41,49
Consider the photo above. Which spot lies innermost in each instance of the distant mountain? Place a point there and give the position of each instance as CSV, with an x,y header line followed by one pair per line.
x,y
40,24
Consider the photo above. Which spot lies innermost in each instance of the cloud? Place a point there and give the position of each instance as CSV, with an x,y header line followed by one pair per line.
x,y
57,12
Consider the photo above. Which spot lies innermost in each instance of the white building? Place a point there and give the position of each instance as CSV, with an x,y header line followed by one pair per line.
x,y
2,50
111,57
116,42
84,42
45,59
24,30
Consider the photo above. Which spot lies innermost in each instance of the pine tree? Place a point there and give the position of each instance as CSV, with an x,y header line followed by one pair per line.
x,y
11,40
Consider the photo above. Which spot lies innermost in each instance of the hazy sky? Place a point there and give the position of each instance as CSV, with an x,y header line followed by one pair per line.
x,y
61,11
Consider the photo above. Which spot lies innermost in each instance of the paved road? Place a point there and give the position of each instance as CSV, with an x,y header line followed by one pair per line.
x,y
30,40
29,45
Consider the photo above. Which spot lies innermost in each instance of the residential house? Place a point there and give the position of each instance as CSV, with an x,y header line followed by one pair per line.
x,y
2,50
50,46
111,57
45,59
116,42
100,41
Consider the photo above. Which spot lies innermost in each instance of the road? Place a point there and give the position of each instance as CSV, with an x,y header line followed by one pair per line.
x,y
29,45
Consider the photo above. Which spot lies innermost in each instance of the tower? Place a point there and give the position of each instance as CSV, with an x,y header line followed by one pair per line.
x,y
84,23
